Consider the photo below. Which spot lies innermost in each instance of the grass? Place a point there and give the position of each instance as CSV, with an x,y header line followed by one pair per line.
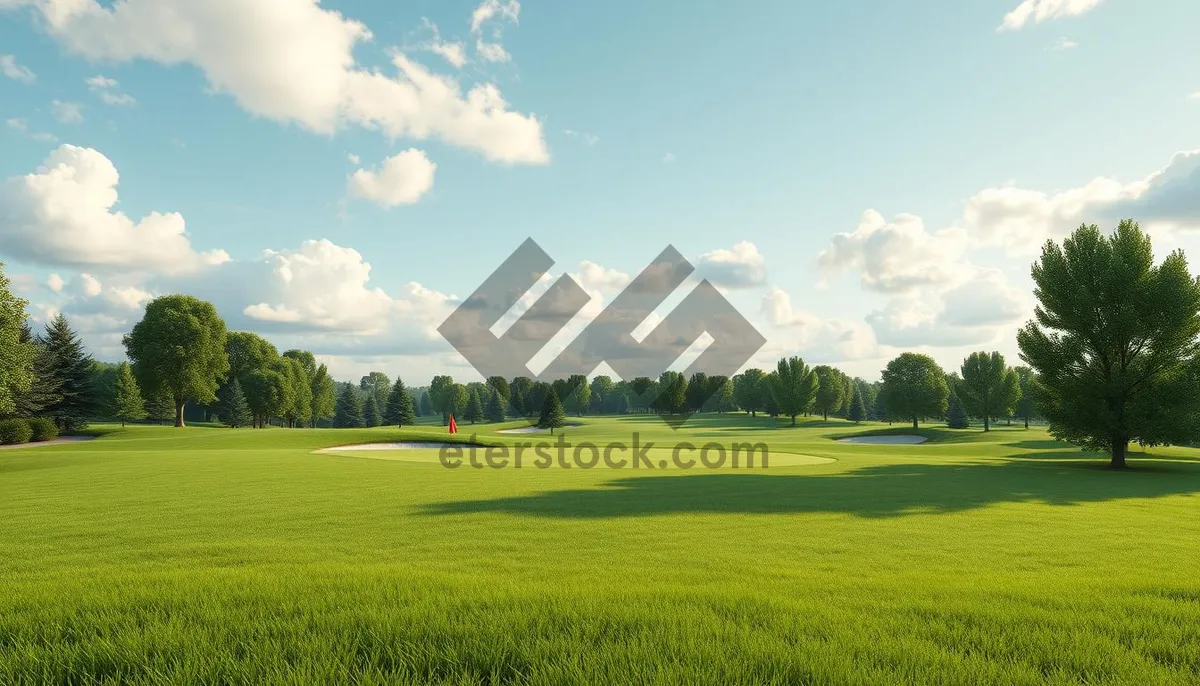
x,y
207,555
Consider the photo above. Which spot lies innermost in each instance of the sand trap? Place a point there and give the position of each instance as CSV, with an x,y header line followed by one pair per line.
x,y
884,440
58,441
406,445
533,429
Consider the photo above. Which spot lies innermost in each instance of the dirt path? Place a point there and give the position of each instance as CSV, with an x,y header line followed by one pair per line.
x,y
58,441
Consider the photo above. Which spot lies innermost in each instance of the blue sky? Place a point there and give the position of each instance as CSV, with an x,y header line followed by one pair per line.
x,y
625,126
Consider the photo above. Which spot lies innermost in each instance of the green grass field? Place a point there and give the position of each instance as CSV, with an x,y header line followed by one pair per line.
x,y
208,555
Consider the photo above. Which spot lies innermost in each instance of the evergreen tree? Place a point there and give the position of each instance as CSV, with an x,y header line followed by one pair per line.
x,y
371,415
71,369
235,410
160,405
128,404
43,391
956,415
495,407
349,411
858,410
474,408
399,406
552,412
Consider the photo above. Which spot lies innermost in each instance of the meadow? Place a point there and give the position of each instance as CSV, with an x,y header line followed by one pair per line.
x,y
208,555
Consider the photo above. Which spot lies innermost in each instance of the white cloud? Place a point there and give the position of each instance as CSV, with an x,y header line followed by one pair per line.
x,y
18,125
822,340
668,158
896,256
1065,44
1194,96
354,159
108,91
741,267
249,51
63,215
589,139
493,12
452,52
21,126
491,52
66,112
55,283
594,277
1038,11
17,72
401,180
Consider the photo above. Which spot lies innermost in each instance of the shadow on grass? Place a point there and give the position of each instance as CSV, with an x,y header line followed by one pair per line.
x,y
879,491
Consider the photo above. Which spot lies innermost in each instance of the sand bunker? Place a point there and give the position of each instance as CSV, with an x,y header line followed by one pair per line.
x,y
884,440
533,429
406,445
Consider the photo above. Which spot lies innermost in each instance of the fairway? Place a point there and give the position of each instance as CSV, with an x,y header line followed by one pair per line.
x,y
212,555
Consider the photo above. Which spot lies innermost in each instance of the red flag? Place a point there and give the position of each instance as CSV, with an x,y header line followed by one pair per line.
x,y
453,426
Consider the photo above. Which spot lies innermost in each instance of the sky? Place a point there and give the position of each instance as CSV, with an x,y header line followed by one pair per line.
x,y
858,178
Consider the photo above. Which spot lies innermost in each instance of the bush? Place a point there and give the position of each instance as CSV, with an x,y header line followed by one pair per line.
x,y
42,429
14,431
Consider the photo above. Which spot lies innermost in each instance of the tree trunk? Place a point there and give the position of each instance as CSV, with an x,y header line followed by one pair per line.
x,y
915,423
179,412
987,422
1027,422
793,420
1118,453
825,416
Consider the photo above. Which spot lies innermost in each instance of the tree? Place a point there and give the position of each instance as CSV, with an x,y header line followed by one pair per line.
x,y
235,411
914,386
458,398
956,414
128,404
349,411
372,417
1114,342
160,404
426,410
672,393
179,345
748,390
399,406
474,408
494,411
832,391
602,389
697,392
858,409
43,391
517,392
1026,380
720,393
988,388
440,396
580,397
379,385
536,397
324,397
16,355
552,416
644,393
501,386
794,387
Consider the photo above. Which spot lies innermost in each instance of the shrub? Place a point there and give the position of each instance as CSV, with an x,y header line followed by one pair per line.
x,y
42,429
14,431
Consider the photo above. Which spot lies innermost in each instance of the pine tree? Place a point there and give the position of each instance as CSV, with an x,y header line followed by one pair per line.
x,y
474,408
399,406
43,391
552,413
349,411
858,410
128,404
495,407
235,410
956,415
70,367
371,416
160,405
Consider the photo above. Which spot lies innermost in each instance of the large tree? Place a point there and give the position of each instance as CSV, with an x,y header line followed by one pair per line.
x,y
988,387
602,389
552,416
858,410
16,355
672,393
324,396
749,388
127,403
914,386
833,390
349,411
475,406
399,405
43,391
517,390
440,396
1114,342
377,384
793,386
180,345
372,417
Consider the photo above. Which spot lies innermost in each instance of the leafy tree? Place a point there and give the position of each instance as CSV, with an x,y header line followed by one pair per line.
x,y
1114,344
371,414
697,392
831,391
440,396
324,397
399,406
720,393
16,355
128,404
248,352
179,345
426,410
769,405
235,411
299,410
644,393
552,416
858,409
379,385
474,407
956,414
602,389
517,392
988,387
536,396
580,397
349,411
914,386
501,386
1026,379
622,406
794,387
749,387
43,392
495,407
672,393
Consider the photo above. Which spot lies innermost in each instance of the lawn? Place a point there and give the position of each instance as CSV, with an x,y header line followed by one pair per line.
x,y
209,555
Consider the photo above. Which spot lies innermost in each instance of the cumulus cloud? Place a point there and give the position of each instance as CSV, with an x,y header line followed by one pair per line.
x,y
108,90
17,72
66,112
493,12
594,277
401,180
818,339
896,256
62,214
1038,11
248,50
740,267
453,52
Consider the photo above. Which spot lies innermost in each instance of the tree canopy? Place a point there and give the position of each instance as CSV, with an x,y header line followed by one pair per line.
x,y
914,386
988,387
794,387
